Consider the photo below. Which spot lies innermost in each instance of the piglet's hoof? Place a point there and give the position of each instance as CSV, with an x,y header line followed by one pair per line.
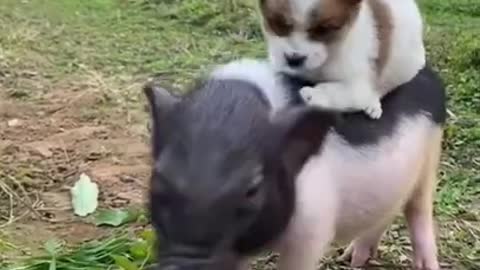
x,y
423,265
358,255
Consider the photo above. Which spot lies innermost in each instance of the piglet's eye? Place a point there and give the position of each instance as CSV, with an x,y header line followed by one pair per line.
x,y
252,191
250,201
255,184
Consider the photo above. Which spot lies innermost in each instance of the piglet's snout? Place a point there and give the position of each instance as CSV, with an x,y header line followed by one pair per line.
x,y
187,263
184,264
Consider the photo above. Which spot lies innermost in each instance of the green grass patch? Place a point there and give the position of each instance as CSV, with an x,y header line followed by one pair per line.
x,y
121,251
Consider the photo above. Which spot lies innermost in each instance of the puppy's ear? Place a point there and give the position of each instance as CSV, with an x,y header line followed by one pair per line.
x,y
262,3
303,131
160,101
352,2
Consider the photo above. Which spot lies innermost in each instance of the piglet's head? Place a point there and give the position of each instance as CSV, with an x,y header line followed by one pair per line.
x,y
222,184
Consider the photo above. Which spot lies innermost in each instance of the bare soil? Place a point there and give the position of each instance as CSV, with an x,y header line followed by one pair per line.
x,y
45,144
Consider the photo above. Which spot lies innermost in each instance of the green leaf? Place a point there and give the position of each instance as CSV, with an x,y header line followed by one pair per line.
x,y
84,196
53,247
149,236
139,250
143,218
115,217
53,264
124,263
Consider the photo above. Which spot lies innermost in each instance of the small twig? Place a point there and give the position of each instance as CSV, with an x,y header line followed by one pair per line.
x,y
15,219
11,194
10,217
29,205
8,244
20,186
69,103
135,180
53,209
451,114
473,230
64,148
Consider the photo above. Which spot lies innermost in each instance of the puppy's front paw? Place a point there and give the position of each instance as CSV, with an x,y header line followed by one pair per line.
x,y
307,93
314,97
374,110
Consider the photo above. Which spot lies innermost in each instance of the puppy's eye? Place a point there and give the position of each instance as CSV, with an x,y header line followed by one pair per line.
x,y
280,25
322,31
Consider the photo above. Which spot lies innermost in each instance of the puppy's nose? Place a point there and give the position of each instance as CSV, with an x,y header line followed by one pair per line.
x,y
295,60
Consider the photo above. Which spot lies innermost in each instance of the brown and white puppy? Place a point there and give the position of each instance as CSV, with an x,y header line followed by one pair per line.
x,y
356,51
238,168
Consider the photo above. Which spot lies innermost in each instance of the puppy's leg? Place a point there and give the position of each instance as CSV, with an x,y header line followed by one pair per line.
x,y
419,210
364,247
345,96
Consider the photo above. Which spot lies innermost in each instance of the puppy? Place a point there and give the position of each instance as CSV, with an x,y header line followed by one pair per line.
x,y
238,169
356,51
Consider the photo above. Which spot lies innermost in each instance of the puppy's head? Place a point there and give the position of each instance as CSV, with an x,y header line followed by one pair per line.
x,y
222,184
302,33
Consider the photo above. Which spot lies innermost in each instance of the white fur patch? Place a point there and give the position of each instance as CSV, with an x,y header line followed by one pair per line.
x,y
349,60
352,57
258,72
371,182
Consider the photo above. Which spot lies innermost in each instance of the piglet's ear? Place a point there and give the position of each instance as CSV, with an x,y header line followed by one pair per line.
x,y
160,101
303,131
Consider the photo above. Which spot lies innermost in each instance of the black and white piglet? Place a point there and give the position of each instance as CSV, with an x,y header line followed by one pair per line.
x,y
238,169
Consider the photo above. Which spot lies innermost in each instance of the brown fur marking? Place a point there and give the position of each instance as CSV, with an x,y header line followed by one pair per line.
x,y
383,18
277,16
332,18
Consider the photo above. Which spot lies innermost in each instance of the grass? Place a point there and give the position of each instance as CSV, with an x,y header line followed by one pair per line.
x,y
119,250
44,42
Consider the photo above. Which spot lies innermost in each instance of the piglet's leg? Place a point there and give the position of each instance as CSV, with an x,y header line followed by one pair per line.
x,y
304,252
312,227
364,247
419,211
244,264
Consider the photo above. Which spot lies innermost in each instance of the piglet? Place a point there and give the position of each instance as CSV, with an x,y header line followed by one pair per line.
x,y
240,167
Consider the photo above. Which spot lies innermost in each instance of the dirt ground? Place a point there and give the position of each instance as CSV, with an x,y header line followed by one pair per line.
x,y
45,145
